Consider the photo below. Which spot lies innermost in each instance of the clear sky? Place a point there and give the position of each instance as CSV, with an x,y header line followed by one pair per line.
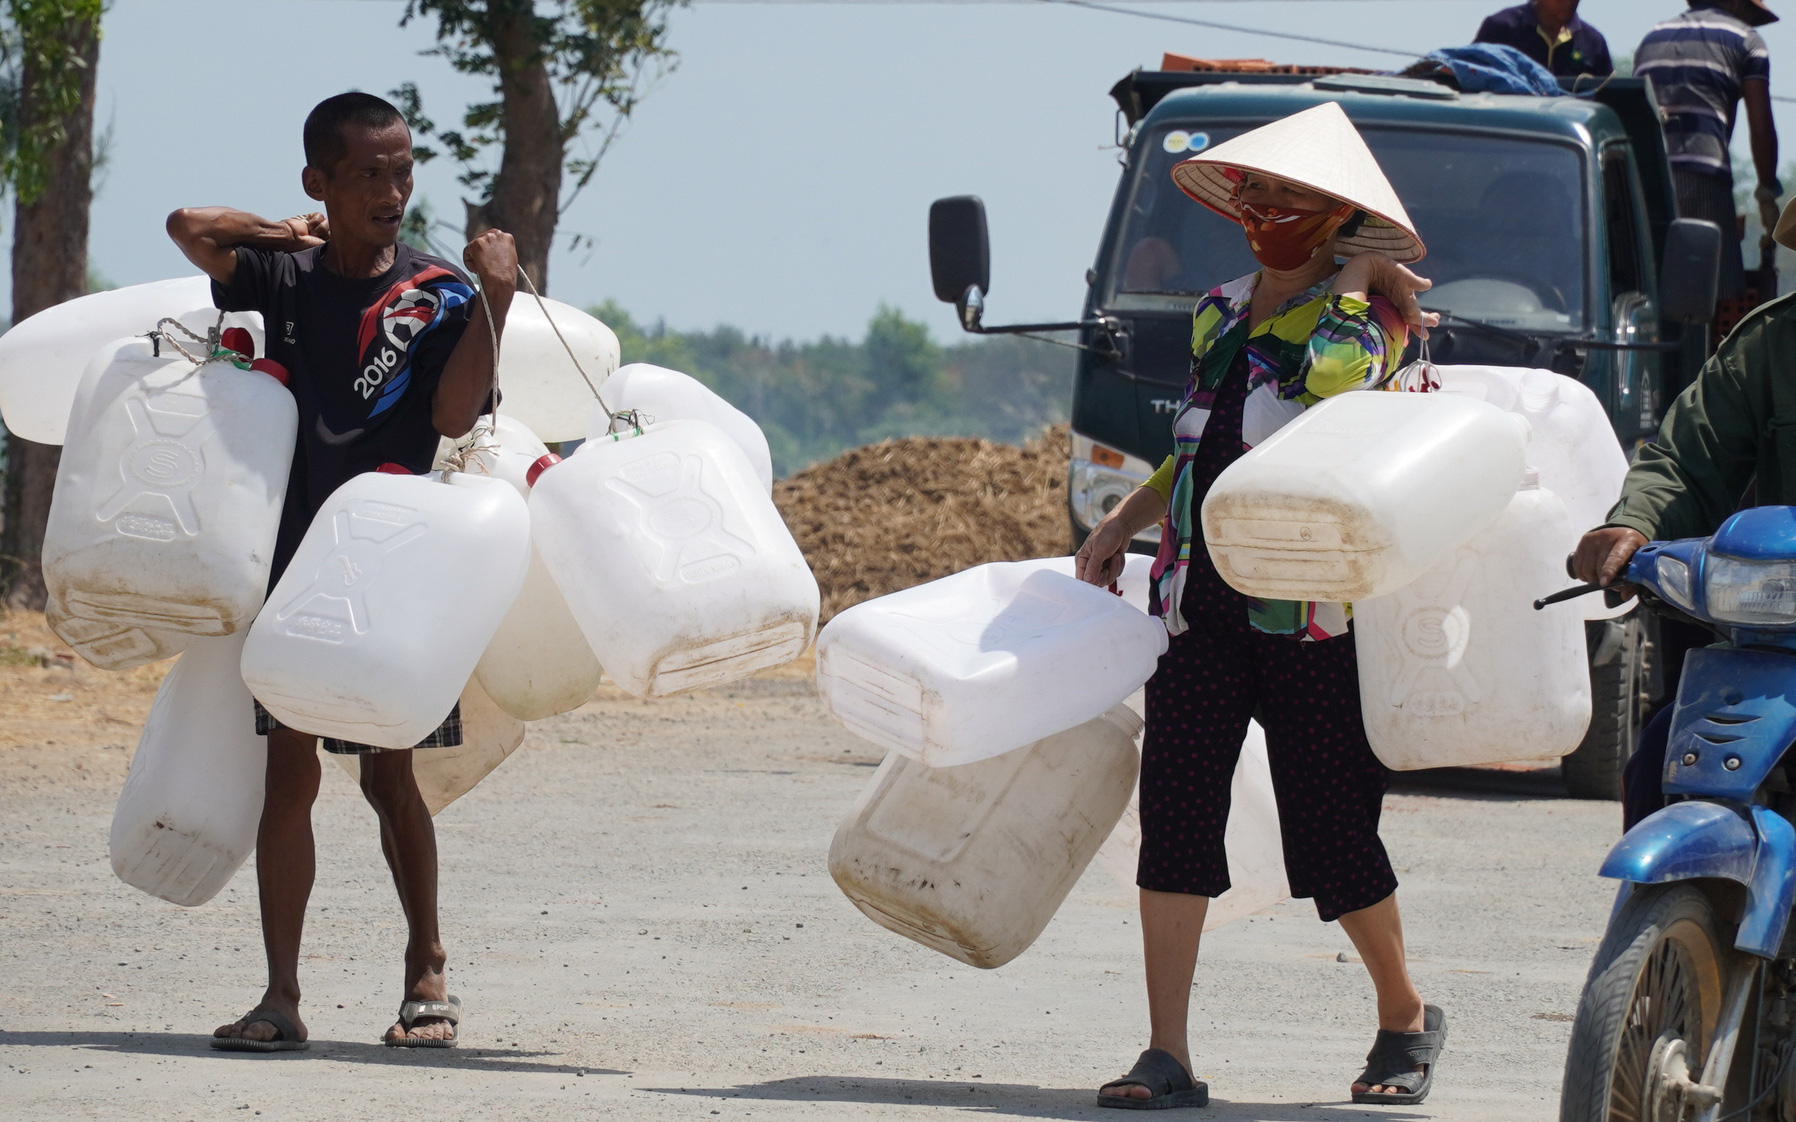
x,y
779,179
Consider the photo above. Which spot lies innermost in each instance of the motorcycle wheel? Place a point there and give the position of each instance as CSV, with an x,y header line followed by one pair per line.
x,y
1648,1010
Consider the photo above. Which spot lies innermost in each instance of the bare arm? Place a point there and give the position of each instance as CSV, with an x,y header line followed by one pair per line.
x,y
469,375
1756,92
210,235
1100,559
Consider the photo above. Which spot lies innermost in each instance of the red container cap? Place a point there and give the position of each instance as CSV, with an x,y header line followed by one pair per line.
x,y
395,469
238,339
269,367
543,463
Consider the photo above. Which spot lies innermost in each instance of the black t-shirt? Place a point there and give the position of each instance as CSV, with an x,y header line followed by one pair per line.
x,y
364,356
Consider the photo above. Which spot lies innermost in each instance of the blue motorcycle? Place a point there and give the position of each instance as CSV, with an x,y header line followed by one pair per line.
x,y
1689,1012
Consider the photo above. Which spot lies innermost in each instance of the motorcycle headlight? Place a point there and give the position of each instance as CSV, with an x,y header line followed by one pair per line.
x,y
1749,593
1674,581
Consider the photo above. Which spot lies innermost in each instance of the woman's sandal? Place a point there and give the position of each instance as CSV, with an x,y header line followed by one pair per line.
x,y
1395,1056
1168,1085
411,1012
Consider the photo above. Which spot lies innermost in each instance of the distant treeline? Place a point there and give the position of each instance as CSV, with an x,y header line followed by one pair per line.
x,y
814,399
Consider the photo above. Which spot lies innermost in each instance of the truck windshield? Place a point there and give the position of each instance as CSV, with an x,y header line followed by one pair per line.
x,y
1502,219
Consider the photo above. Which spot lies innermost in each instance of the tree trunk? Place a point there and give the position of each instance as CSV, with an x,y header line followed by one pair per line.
x,y
527,190
49,265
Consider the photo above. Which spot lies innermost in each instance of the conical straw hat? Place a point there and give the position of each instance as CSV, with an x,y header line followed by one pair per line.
x,y
1320,149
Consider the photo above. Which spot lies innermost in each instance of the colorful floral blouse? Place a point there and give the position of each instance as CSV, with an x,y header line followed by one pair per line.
x,y
1316,345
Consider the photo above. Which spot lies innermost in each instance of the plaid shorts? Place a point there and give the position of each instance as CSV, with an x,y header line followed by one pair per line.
x,y
447,734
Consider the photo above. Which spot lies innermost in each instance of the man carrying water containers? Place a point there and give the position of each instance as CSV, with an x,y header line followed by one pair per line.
x,y
386,349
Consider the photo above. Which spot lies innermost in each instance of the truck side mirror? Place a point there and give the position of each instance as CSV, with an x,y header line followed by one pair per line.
x,y
1690,273
960,257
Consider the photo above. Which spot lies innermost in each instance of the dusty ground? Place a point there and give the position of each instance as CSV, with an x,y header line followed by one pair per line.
x,y
641,924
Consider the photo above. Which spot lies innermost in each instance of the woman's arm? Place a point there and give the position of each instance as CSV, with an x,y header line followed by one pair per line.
x,y
1100,559
1360,337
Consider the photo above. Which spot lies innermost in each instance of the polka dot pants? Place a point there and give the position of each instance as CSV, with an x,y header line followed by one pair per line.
x,y
1214,677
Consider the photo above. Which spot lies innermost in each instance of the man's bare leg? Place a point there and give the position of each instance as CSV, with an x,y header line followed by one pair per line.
x,y
409,840
285,865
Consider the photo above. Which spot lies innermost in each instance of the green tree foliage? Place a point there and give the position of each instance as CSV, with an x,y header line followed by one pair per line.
x,y
814,399
36,39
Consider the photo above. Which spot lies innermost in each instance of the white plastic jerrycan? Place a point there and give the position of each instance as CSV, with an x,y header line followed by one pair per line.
x,y
192,802
42,357
1131,586
489,735
660,394
1458,668
1570,443
1361,494
673,559
169,493
538,663
974,860
542,387
396,588
982,662
111,645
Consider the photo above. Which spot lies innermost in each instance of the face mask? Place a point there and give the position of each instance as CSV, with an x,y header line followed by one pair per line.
x,y
1286,238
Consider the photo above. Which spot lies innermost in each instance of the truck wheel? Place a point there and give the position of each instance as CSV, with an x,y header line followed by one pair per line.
x,y
1620,681
1648,1014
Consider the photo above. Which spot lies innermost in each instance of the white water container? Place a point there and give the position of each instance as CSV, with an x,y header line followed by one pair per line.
x,y
538,663
673,559
396,588
1570,443
541,385
188,814
489,736
111,645
1361,494
43,356
168,496
660,394
974,860
982,662
1458,669
1132,586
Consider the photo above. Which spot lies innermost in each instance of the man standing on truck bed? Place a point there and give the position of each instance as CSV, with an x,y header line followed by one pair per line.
x,y
1550,33
1701,65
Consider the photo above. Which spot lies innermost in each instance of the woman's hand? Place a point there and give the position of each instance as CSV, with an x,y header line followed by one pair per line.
x,y
1373,274
1100,560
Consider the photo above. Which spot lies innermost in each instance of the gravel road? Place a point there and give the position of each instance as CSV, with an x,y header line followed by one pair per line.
x,y
640,923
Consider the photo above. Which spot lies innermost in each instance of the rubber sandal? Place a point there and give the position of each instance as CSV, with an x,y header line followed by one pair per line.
x,y
1168,1085
286,1038
411,1012
1395,1056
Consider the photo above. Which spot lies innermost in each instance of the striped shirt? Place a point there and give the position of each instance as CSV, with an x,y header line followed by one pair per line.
x,y
1697,64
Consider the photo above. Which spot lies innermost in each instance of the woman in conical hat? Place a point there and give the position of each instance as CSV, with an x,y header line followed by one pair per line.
x,y
1306,190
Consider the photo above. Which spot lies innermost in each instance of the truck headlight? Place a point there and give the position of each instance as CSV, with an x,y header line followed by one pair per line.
x,y
1099,478
1750,593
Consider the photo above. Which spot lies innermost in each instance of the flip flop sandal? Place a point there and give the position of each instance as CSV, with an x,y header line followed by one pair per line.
x,y
411,1012
286,1035
1395,1056
1168,1085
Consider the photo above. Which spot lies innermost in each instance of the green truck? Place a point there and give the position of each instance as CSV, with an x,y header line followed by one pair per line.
x,y
1553,242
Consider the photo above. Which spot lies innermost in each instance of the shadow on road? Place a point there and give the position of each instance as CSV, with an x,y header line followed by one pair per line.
x,y
191,1044
1020,1099
1483,782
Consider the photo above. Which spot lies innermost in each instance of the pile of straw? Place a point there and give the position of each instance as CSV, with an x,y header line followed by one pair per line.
x,y
898,513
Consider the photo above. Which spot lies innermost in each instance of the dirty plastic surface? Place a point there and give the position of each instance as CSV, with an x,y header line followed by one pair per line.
x,y
973,861
987,660
188,814
168,498
673,559
1362,494
1458,669
661,394
43,357
394,591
